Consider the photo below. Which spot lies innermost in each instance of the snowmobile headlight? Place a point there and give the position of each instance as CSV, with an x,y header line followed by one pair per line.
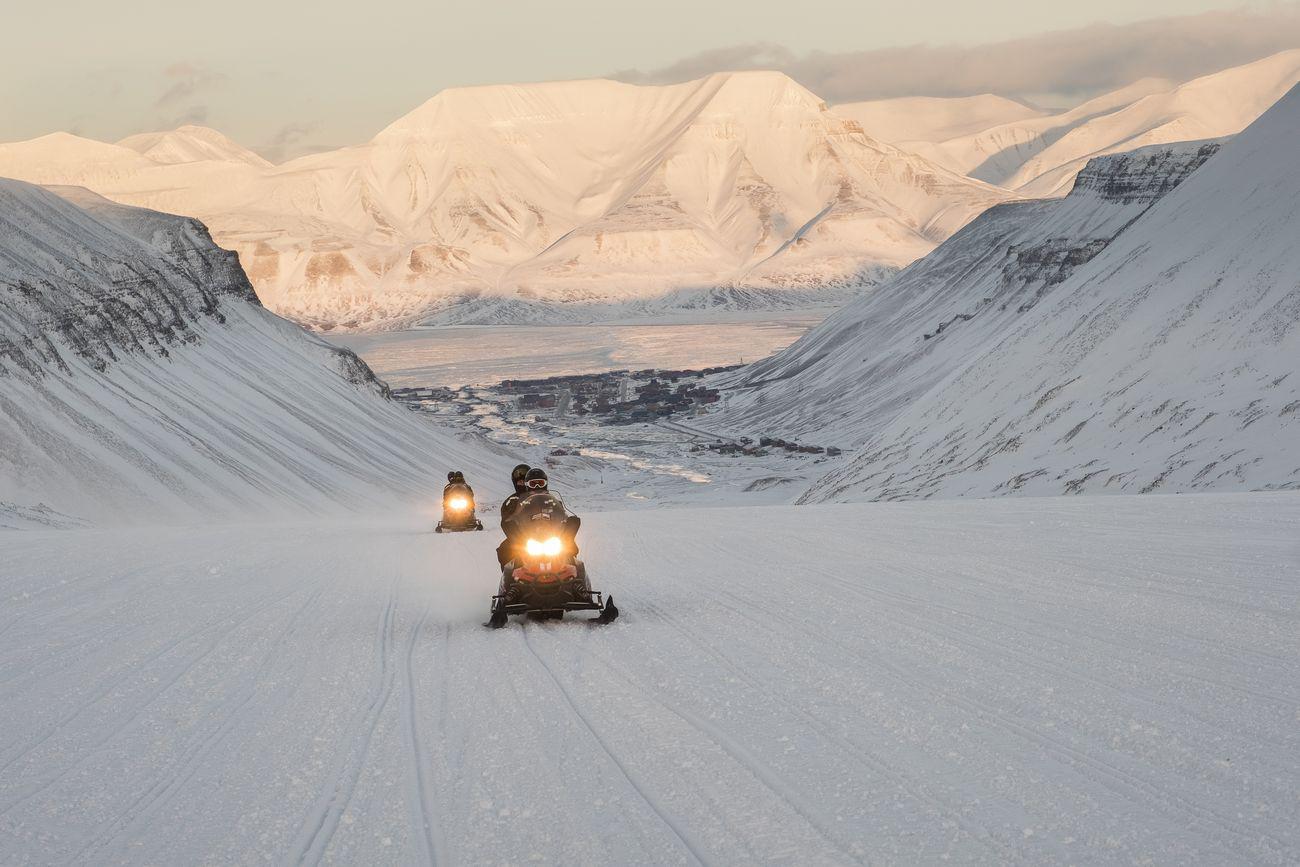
x,y
458,504
550,547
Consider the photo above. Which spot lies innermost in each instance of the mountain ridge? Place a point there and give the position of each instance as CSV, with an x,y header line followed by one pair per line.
x,y
561,199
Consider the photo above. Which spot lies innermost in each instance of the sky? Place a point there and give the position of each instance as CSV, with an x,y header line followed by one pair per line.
x,y
287,77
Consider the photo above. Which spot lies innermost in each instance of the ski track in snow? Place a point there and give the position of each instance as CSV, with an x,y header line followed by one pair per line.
x,y
1031,680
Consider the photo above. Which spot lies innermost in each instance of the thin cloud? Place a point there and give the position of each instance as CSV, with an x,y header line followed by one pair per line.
x,y
185,80
757,55
197,114
1076,62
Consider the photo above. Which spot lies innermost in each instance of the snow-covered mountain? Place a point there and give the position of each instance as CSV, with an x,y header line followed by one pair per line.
x,y
564,201
141,379
1099,343
1040,155
190,144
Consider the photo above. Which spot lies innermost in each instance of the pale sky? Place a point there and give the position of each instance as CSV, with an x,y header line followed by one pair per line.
x,y
285,77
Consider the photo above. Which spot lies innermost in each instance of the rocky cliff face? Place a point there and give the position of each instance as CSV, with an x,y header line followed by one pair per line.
x,y
100,292
1142,176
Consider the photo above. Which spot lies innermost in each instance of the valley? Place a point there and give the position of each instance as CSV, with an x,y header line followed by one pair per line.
x,y
942,454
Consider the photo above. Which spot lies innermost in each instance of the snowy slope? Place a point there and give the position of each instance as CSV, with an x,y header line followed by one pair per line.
x,y
1039,156
140,379
918,120
847,379
568,201
1029,354
994,154
1022,681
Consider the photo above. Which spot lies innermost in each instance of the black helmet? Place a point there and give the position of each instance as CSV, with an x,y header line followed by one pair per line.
x,y
536,479
518,474
455,476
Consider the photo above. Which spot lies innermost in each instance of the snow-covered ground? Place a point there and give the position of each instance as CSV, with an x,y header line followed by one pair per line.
x,y
1044,681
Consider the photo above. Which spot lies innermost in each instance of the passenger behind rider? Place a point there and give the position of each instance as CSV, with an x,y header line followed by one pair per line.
x,y
456,484
505,551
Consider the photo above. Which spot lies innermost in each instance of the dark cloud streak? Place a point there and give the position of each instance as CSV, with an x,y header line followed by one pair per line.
x,y
288,142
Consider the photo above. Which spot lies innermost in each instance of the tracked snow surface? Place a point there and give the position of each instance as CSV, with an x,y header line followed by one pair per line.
x,y
563,202
1066,347
140,378
1069,681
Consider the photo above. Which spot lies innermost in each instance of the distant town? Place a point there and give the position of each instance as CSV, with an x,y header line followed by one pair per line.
x,y
617,397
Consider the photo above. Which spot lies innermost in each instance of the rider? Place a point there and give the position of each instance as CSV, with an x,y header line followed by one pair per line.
x,y
457,486
508,509
456,481
536,483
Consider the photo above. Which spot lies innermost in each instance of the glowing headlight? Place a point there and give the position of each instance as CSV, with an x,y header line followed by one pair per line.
x,y
549,548
458,504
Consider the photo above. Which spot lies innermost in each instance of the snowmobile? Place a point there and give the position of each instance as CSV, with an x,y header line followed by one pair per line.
x,y
545,580
458,511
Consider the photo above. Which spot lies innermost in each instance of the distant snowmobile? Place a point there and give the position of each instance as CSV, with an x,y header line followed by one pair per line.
x,y
457,506
546,579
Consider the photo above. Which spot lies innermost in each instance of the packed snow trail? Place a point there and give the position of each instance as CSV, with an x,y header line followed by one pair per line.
x,y
1046,681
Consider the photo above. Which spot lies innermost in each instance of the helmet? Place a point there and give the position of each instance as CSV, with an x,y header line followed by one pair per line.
x,y
455,476
536,479
518,474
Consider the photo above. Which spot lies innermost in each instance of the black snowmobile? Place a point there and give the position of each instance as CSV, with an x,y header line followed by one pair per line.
x,y
545,580
457,507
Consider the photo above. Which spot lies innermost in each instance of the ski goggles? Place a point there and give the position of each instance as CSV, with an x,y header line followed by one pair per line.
x,y
535,484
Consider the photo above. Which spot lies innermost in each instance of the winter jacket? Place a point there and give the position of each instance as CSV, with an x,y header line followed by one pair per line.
x,y
508,509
